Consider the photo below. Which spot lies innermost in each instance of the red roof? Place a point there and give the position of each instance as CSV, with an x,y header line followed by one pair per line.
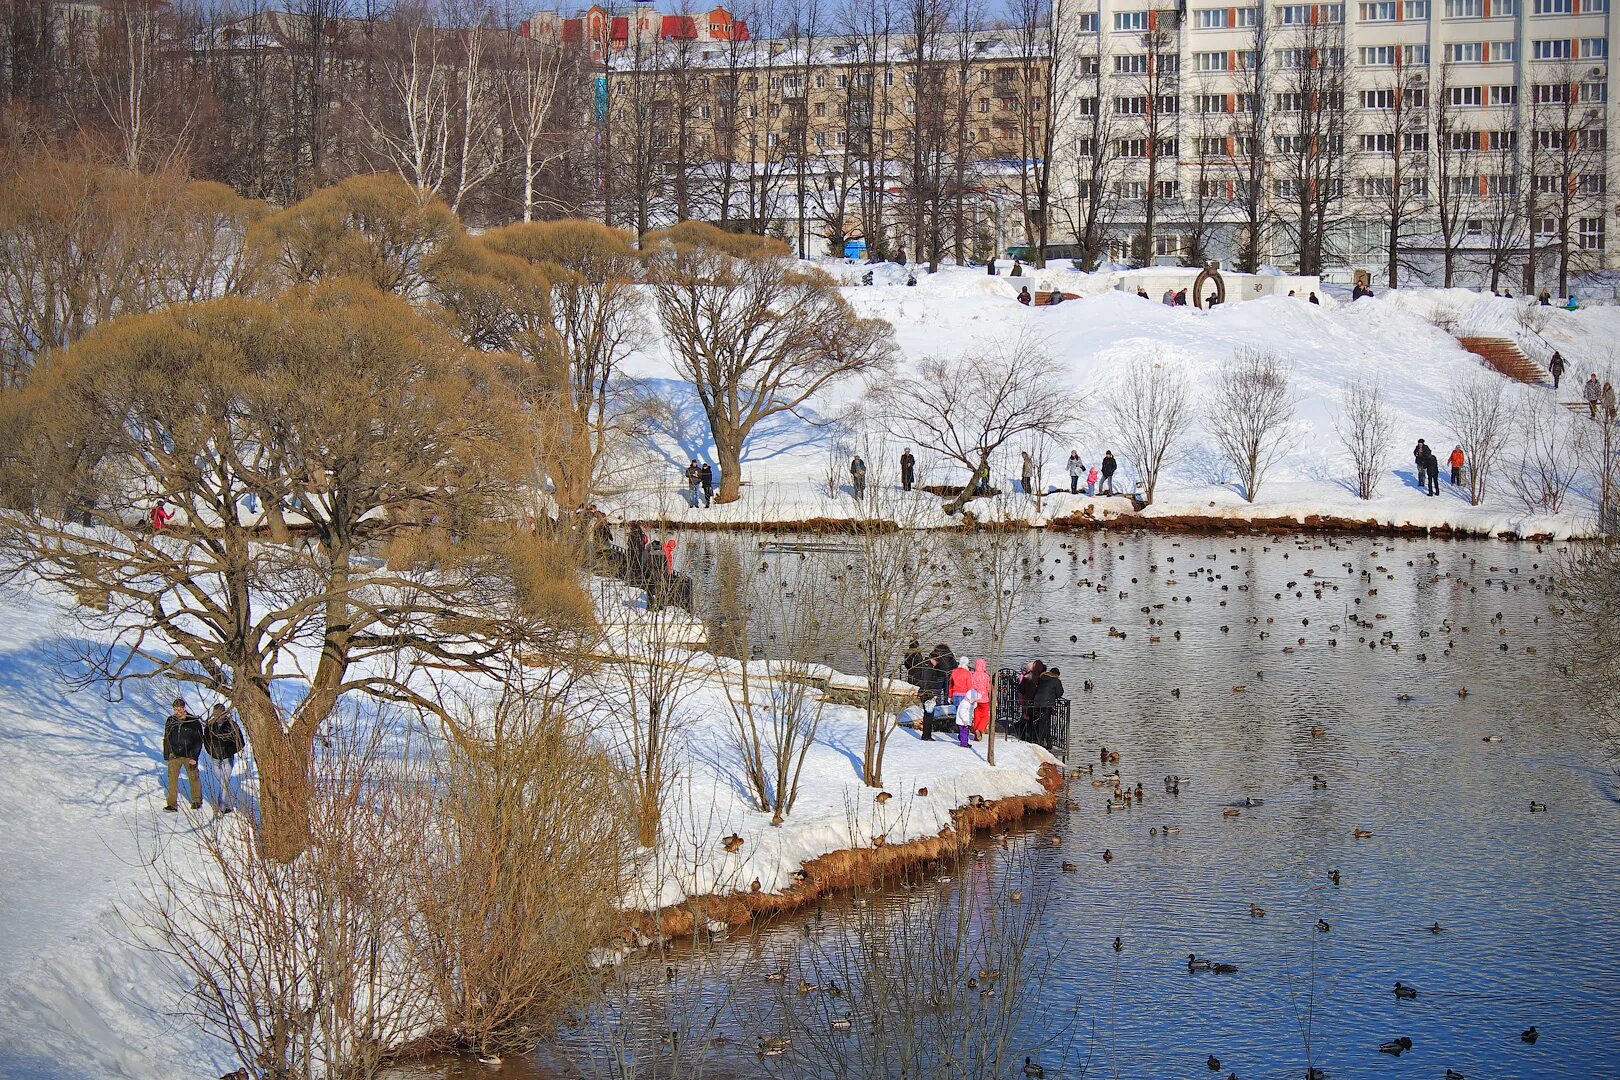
x,y
621,29
682,27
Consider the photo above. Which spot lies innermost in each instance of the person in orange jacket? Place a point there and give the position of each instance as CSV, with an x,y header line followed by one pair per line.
x,y
981,709
1456,463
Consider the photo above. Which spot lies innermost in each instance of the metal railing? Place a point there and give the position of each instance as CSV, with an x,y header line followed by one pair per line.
x,y
1049,728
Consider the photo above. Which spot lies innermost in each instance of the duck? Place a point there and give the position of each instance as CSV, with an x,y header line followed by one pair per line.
x,y
776,976
1453,1074
1323,926
1530,1034
1107,855
1195,963
1070,868
1250,800
1318,781
1492,738
1397,1047
1404,992
1119,943
989,974
1033,1069
1333,876
1537,807
841,1023
1214,1063
1361,834
1256,911
1172,830
1437,929
1230,811
1219,968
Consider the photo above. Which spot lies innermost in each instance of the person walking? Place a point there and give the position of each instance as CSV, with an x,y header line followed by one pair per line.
x,y
222,741
1027,474
1607,398
908,469
1418,453
1455,460
981,707
1591,393
182,742
694,483
1555,367
857,476
1023,296
1109,466
706,479
1077,469
1431,466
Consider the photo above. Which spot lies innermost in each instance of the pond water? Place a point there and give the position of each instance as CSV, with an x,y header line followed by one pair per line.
x,y
1375,643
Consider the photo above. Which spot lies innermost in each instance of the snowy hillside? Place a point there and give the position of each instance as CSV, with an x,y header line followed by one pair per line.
x,y
1392,339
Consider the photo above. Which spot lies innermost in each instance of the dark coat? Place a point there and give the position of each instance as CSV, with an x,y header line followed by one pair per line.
x,y
706,476
1048,689
913,665
222,738
182,736
1109,465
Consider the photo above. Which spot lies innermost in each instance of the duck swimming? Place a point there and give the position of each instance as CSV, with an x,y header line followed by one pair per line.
x,y
1196,964
1404,992
1396,1046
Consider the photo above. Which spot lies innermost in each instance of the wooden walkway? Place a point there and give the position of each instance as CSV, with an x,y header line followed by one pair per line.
x,y
1506,357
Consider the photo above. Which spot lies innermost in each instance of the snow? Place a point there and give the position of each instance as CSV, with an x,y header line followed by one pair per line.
x,y
795,468
84,790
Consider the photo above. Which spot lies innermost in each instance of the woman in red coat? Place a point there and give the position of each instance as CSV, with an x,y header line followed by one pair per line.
x,y
981,711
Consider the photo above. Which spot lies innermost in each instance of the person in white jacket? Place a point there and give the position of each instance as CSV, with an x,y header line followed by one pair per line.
x,y
1077,469
964,717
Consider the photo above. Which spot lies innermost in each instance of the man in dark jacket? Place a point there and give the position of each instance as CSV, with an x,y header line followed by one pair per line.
x,y
222,741
694,482
1431,468
1109,465
1555,366
706,478
912,664
182,742
1048,689
908,469
1418,454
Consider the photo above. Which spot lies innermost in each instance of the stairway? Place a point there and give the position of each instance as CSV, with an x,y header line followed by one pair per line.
x,y
1507,358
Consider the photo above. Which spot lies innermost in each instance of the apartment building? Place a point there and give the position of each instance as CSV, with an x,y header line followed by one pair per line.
x,y
1482,129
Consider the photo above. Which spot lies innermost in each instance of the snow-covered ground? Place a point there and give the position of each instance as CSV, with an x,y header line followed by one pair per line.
x,y
1393,338
82,800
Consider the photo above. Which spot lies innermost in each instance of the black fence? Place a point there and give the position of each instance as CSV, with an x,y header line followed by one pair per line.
x,y
1048,727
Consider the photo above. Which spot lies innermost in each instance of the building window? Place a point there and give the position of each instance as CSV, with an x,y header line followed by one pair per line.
x,y
1382,100
1131,148
1130,106
1130,20
1415,142
1088,22
1504,95
1211,61
1130,189
1415,10
1132,64
1594,48
1467,97
1245,16
1594,93
1465,52
1590,234
1211,103
1501,52
1554,7
1382,11
1553,49
1168,189
1209,19
1550,93
1378,144
1209,146
1376,186
1378,56
1465,9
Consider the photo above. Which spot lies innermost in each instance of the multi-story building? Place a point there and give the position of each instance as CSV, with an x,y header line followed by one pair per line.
x,y
1391,135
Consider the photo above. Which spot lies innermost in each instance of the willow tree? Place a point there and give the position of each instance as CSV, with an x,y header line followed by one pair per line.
x,y
294,440
756,333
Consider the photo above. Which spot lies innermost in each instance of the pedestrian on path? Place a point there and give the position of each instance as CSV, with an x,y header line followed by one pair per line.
x,y
182,742
1591,393
1555,367
1109,466
857,476
222,741
1419,453
1607,398
1023,296
1077,469
1028,474
908,469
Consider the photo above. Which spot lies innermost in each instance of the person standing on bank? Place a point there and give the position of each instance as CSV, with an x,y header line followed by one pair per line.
x,y
222,741
706,478
694,483
1028,474
1077,469
1431,469
1109,466
908,469
182,742
1455,460
857,476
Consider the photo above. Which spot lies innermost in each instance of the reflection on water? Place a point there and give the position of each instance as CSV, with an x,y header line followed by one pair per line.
x,y
1405,655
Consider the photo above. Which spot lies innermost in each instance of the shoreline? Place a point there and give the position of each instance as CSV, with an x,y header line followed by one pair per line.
x,y
850,868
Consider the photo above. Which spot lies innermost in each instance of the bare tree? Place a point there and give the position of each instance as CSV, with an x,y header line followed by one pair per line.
x,y
1309,144
1043,35
1252,128
1365,425
756,334
532,72
1567,164
1548,459
1096,161
1455,170
1148,413
1399,121
966,409
1251,415
1480,418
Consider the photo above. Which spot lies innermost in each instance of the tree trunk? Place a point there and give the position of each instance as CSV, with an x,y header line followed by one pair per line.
x,y
729,451
284,763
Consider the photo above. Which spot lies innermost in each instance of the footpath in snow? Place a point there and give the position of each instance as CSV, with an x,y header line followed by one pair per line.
x,y
796,468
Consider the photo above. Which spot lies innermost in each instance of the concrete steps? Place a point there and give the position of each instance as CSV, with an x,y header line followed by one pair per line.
x,y
1505,357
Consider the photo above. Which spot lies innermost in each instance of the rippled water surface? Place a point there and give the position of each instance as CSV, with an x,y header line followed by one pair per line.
x,y
1529,901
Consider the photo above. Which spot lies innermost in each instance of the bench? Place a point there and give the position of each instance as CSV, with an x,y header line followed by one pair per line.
x,y
1044,299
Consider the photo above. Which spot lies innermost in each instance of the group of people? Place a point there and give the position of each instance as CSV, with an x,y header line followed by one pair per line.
x,y
1428,467
1040,688
1596,395
187,739
700,484
1052,298
951,694
1097,479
